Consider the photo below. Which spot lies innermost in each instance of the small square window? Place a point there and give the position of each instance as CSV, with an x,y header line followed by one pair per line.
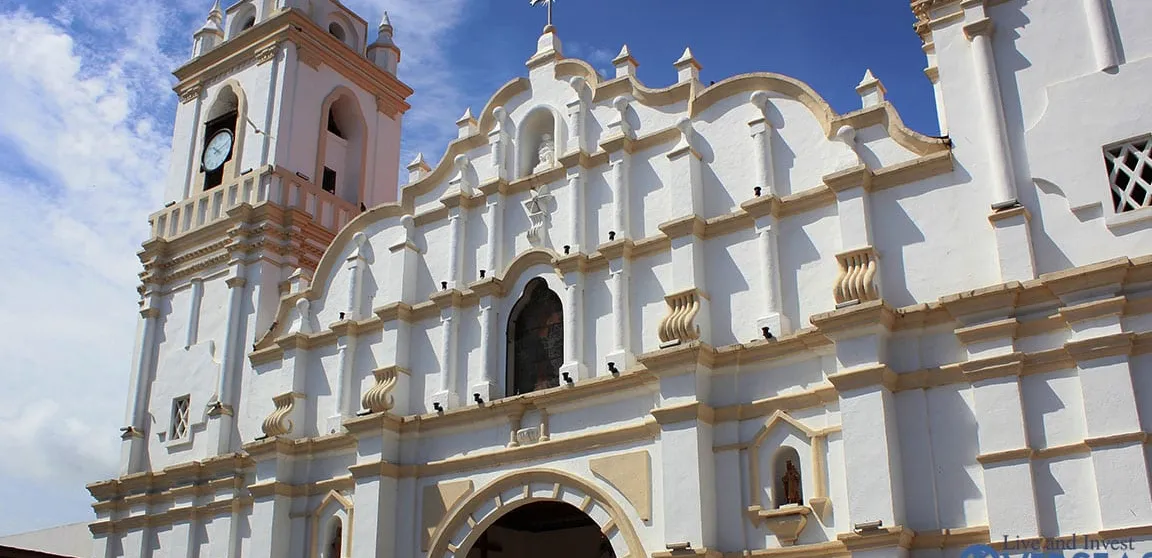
x,y
1129,167
179,429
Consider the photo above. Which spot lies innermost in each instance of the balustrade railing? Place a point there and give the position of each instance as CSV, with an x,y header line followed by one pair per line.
x,y
270,184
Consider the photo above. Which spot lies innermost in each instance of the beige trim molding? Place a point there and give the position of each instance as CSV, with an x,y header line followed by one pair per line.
x,y
1006,455
862,377
682,413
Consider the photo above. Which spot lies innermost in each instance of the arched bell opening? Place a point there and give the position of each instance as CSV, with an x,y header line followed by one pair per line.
x,y
546,528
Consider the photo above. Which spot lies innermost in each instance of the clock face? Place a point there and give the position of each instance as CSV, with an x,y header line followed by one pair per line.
x,y
217,150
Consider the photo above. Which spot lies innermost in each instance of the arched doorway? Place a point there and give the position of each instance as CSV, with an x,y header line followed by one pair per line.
x,y
547,528
458,533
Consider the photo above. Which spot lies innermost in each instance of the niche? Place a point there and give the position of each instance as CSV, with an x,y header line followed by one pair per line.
x,y
539,142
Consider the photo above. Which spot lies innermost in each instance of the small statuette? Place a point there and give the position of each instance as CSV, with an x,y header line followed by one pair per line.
x,y
547,153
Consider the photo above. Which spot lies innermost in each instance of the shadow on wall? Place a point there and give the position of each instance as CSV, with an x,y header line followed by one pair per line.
x,y
727,279
953,434
797,251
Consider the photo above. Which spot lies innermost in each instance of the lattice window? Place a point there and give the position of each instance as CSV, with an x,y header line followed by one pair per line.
x,y
1130,174
179,429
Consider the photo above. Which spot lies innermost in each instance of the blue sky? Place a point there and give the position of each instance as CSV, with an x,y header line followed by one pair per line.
x,y
85,121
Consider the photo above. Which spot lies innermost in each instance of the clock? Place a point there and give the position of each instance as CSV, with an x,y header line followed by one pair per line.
x,y
217,150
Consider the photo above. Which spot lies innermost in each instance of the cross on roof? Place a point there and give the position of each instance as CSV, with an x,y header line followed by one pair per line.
x,y
549,3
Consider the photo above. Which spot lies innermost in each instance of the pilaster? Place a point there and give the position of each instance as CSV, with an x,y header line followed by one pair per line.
x,y
134,444
868,410
574,365
576,183
687,461
1094,308
993,366
619,254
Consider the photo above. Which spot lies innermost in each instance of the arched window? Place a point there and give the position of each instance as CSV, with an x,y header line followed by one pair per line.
x,y
535,340
248,23
342,147
338,31
788,481
334,544
221,138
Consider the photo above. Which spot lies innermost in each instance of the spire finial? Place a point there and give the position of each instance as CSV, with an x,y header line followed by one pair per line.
x,y
216,14
385,22
871,90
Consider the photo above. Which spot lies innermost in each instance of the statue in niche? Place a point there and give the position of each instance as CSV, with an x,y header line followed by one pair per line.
x,y
791,484
547,154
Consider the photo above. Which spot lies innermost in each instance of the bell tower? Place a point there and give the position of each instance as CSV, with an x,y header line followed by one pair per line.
x,y
288,127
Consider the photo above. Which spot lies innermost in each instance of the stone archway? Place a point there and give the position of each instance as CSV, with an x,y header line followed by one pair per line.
x,y
471,518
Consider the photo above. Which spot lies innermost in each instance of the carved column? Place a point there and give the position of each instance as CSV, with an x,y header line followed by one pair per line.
x,y
498,142
576,203
494,219
761,131
456,199
572,269
449,303
979,32
619,254
764,207
1100,31
1008,218
619,147
577,111
135,444
485,384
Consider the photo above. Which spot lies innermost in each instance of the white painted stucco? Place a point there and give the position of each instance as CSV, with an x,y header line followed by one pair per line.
x,y
935,414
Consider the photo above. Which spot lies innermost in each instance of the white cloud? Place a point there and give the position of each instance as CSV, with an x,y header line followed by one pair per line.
x,y
79,114
85,118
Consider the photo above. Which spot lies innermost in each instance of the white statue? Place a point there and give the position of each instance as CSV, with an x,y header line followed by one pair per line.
x,y
547,154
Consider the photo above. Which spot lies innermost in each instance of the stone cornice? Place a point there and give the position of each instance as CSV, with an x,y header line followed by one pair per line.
x,y
867,315
864,377
1100,347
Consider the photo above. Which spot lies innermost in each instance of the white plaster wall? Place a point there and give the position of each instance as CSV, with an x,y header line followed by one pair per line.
x,y
1054,409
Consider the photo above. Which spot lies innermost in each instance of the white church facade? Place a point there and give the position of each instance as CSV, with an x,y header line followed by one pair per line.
x,y
622,320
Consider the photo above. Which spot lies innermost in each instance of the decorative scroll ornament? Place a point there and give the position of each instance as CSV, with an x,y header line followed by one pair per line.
x,y
278,423
378,398
679,324
856,282
528,436
537,208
